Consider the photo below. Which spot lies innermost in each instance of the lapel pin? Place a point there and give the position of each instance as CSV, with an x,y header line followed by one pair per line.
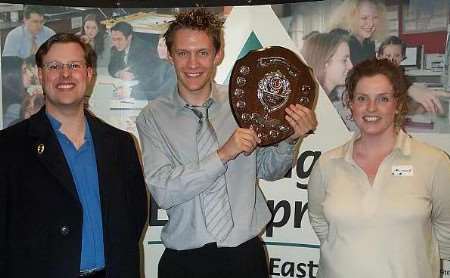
x,y
40,148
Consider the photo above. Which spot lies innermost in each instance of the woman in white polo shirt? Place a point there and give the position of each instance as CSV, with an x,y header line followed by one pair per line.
x,y
380,204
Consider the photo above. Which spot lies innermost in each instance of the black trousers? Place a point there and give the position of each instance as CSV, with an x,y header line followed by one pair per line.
x,y
247,260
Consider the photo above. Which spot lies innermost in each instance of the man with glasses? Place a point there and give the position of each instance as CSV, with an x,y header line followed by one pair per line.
x,y
24,40
73,201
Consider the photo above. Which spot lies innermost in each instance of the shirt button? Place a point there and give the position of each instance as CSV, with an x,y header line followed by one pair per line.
x,y
65,230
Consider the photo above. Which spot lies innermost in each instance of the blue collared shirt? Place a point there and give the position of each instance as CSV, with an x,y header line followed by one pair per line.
x,y
83,166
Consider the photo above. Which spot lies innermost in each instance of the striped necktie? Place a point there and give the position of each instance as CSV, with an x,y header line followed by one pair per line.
x,y
34,45
214,200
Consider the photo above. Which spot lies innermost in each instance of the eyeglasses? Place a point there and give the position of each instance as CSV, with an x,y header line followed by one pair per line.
x,y
57,66
379,100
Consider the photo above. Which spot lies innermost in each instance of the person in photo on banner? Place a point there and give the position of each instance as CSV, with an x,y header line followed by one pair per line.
x,y
380,203
365,22
34,97
24,40
14,81
328,54
423,99
73,201
202,168
93,33
134,60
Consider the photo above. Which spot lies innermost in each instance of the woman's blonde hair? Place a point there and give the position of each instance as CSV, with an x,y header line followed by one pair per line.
x,y
346,16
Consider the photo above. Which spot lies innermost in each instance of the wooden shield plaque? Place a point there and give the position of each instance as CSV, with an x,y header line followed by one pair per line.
x,y
263,84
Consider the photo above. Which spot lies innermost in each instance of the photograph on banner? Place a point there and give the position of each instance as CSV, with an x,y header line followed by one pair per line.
x,y
335,35
132,65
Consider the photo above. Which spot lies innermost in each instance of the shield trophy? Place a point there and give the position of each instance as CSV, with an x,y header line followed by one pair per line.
x,y
263,84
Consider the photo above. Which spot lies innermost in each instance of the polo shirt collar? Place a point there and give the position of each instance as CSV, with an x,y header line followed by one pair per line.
x,y
402,145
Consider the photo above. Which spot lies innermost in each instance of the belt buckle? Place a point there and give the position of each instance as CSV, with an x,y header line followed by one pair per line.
x,y
89,272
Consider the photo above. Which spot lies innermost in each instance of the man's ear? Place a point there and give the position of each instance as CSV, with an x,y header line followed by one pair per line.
x,y
90,73
219,57
169,57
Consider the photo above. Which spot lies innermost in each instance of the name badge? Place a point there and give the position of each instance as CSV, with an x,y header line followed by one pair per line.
x,y
403,170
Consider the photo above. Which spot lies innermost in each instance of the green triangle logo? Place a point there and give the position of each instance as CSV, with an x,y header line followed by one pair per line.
x,y
252,43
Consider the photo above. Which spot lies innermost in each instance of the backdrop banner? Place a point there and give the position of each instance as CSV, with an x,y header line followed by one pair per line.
x,y
293,248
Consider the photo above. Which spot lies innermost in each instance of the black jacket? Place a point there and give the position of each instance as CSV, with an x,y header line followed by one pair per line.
x,y
41,215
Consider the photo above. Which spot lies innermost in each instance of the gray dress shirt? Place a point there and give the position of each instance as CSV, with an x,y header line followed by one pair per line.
x,y
176,177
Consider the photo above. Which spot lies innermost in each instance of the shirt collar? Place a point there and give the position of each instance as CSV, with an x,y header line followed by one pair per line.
x,y
402,145
181,104
126,50
56,125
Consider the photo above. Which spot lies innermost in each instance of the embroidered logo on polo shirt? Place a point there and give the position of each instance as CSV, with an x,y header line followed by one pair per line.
x,y
403,170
